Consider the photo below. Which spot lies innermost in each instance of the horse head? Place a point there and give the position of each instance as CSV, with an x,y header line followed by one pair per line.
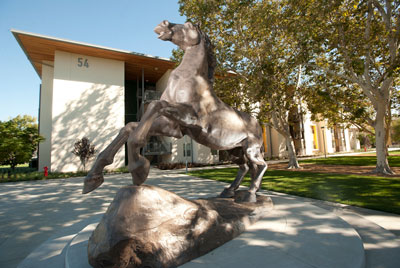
x,y
182,35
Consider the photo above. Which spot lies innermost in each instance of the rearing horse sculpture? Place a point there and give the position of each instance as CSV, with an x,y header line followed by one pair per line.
x,y
189,106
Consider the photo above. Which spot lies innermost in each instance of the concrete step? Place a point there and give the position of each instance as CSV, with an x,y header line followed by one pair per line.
x,y
381,246
51,254
76,250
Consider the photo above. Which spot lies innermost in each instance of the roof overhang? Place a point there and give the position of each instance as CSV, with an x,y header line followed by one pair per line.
x,y
40,48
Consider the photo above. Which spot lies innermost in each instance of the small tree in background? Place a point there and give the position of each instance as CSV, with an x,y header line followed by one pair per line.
x,y
19,138
84,150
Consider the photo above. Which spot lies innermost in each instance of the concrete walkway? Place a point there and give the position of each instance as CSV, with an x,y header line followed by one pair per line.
x,y
32,213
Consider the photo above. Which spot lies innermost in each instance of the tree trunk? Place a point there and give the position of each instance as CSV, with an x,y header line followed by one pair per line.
x,y
388,126
293,163
13,164
83,162
382,164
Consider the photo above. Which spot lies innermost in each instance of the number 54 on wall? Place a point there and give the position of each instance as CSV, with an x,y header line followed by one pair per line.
x,y
83,62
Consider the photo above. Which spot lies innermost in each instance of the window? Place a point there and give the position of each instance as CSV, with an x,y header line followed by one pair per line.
x,y
315,140
333,138
187,149
214,152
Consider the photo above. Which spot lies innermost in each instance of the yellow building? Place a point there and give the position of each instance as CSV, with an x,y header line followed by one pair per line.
x,y
312,138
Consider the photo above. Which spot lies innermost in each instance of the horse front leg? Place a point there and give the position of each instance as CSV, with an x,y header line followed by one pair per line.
x,y
95,176
177,115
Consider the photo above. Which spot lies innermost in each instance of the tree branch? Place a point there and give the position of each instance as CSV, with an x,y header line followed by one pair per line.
x,y
385,16
345,53
367,61
363,128
369,91
329,71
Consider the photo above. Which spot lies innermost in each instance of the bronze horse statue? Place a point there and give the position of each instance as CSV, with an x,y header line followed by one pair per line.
x,y
189,106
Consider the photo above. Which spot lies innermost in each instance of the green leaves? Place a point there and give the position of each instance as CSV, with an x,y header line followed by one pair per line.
x,y
251,40
19,139
349,51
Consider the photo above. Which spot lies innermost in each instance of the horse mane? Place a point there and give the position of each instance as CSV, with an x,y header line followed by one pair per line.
x,y
212,63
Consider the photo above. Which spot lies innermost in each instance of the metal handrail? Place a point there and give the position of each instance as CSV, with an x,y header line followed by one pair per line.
x,y
150,95
157,148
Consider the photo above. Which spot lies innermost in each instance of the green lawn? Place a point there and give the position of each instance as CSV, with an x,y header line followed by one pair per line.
x,y
356,160
379,193
24,173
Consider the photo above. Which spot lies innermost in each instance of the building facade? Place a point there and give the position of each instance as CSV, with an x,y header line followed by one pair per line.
x,y
312,138
93,91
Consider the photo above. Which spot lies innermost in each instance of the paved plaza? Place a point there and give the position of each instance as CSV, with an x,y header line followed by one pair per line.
x,y
36,215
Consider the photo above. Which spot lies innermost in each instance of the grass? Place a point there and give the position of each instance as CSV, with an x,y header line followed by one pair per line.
x,y
24,173
355,160
379,193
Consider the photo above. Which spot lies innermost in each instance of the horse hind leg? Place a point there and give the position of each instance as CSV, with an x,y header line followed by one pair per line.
x,y
230,191
138,165
95,176
259,166
177,114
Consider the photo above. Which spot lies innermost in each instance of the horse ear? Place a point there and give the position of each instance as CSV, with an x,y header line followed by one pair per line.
x,y
165,23
189,25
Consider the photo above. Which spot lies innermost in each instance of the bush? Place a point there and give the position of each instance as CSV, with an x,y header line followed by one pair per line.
x,y
84,150
169,166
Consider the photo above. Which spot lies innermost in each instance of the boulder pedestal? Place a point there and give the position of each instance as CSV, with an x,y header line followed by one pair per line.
x,y
146,226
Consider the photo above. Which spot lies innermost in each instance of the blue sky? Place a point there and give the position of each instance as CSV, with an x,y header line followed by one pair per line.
x,y
120,24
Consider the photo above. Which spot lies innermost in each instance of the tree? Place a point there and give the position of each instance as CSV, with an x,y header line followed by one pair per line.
x,y
251,41
84,150
19,138
341,104
357,42
396,131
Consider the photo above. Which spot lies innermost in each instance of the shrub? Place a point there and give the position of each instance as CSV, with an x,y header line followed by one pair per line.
x,y
84,150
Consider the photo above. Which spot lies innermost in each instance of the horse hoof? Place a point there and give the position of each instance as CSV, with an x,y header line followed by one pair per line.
x,y
227,193
246,197
140,170
92,182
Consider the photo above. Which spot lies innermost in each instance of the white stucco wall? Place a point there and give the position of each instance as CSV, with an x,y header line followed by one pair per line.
x,y
354,141
161,84
348,141
308,135
202,154
279,146
176,155
45,116
88,100
329,137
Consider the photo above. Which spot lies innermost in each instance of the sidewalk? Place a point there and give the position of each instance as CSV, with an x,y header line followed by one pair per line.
x,y
33,212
